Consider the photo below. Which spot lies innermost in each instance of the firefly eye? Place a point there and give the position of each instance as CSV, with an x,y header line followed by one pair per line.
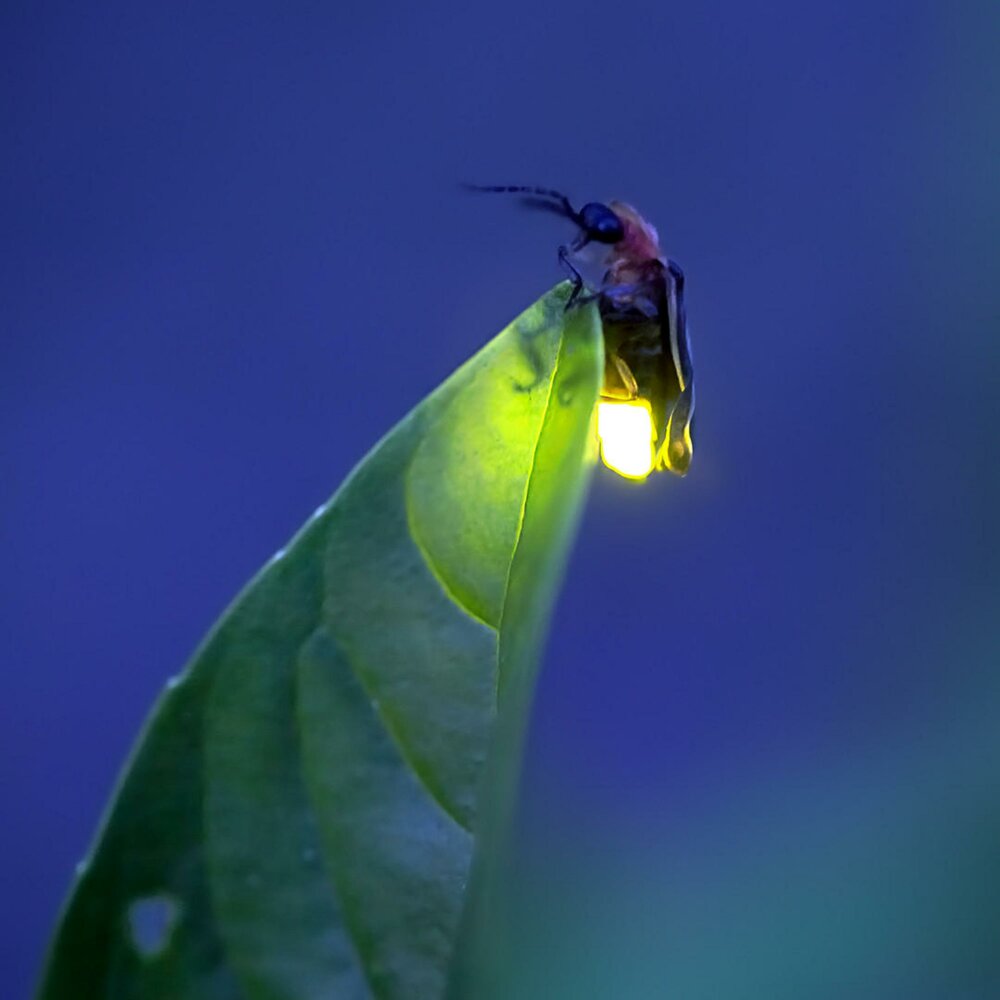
x,y
600,223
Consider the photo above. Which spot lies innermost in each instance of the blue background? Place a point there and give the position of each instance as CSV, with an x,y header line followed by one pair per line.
x,y
766,751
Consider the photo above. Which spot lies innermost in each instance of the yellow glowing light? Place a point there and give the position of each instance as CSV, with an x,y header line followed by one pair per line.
x,y
625,430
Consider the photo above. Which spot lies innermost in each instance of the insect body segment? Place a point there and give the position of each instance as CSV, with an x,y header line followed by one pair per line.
x,y
647,355
645,336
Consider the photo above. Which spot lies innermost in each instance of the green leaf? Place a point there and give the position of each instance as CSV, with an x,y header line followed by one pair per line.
x,y
300,816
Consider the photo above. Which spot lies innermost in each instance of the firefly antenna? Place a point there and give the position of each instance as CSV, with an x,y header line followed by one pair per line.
x,y
565,207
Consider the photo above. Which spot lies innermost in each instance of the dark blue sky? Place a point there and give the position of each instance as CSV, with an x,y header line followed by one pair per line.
x,y
232,254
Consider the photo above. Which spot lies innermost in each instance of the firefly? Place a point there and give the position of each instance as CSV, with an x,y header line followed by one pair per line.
x,y
646,407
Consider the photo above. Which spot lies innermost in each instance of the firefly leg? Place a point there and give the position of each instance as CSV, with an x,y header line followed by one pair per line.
x,y
619,382
628,379
564,251
683,348
676,451
678,275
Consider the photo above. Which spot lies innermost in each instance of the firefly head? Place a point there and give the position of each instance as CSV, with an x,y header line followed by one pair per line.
x,y
600,223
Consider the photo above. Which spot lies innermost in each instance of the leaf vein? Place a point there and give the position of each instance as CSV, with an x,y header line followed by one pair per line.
x,y
420,772
524,504
452,595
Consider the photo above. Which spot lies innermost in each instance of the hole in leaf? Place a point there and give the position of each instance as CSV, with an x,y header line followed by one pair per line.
x,y
151,921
